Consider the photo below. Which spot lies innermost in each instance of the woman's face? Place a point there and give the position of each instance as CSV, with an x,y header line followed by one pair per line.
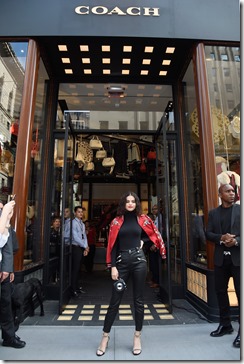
x,y
130,204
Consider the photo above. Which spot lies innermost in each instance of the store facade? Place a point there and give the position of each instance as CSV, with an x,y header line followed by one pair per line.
x,y
157,76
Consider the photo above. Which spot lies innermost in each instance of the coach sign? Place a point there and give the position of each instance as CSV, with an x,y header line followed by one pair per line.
x,y
103,10
172,19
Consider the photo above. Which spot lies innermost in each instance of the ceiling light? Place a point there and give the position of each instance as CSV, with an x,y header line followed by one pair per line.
x,y
84,48
125,72
166,62
170,49
106,48
162,73
86,60
127,49
146,61
141,87
126,60
65,60
144,73
148,49
106,60
106,72
87,71
62,48
68,71
139,95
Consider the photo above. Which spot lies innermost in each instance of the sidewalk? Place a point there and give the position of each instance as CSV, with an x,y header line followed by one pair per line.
x,y
159,342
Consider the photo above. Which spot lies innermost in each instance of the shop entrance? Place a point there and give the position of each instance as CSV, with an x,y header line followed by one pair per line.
x,y
98,191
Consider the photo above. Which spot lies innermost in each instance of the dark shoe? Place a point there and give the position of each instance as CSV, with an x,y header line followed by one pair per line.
x,y
14,343
80,290
222,330
236,342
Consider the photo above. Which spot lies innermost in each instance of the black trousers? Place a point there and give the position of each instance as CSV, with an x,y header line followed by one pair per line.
x,y
132,264
77,258
6,314
89,258
154,265
222,276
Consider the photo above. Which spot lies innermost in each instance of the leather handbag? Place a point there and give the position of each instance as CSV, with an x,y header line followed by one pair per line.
x,y
95,143
108,162
143,167
151,154
100,154
89,166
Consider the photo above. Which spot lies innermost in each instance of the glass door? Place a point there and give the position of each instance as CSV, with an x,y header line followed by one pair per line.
x,y
66,212
162,185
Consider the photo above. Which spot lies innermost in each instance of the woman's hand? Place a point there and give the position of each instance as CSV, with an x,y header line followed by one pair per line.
x,y
114,273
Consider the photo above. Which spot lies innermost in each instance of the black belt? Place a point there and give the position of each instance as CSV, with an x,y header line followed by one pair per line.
x,y
227,252
77,246
131,250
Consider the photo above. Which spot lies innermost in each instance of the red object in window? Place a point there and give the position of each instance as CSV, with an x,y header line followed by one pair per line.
x,y
14,128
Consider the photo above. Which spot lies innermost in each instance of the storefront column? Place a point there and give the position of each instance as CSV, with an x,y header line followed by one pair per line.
x,y
23,151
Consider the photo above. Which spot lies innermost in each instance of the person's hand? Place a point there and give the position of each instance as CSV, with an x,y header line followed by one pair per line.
x,y
12,277
85,252
227,238
114,273
4,275
8,209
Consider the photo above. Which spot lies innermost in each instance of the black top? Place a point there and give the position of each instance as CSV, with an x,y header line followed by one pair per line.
x,y
129,236
225,219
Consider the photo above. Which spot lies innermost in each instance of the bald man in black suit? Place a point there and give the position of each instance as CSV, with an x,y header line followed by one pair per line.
x,y
223,229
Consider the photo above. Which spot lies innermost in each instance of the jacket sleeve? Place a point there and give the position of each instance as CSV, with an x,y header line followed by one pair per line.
x,y
211,233
7,264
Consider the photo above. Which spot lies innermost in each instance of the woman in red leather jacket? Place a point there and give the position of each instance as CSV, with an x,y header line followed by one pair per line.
x,y
128,232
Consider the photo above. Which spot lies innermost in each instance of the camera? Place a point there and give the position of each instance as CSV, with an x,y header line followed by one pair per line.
x,y
120,285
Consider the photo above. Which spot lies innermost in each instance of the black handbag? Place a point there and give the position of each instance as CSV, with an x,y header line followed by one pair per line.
x,y
120,285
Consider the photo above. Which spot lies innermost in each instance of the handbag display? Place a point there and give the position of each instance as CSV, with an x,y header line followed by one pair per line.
x,y
143,167
84,153
108,162
89,166
151,154
100,154
95,143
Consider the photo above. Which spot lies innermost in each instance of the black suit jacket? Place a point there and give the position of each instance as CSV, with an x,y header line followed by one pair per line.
x,y
214,233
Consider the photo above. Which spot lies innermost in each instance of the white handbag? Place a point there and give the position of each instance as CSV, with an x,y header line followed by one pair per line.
x,y
108,162
100,154
89,167
95,143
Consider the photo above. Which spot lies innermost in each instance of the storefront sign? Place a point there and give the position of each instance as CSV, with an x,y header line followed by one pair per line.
x,y
103,10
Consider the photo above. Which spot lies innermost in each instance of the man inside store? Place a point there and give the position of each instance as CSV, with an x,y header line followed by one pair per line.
x,y
223,229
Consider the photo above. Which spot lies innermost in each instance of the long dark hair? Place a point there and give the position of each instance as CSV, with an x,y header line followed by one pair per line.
x,y
121,210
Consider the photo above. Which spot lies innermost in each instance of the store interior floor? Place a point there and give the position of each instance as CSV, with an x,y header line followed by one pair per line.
x,y
90,307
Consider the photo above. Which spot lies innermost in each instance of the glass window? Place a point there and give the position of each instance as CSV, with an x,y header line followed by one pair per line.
x,y
33,249
197,251
12,71
226,118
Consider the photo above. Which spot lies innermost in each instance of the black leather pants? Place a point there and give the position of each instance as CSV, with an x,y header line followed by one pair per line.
x,y
129,263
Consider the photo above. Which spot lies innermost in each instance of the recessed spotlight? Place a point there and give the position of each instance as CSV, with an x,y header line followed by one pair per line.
x,y
106,72
125,72
144,73
146,61
166,62
126,60
62,48
127,48
85,60
105,48
87,71
162,73
148,49
106,60
170,49
68,71
84,48
65,60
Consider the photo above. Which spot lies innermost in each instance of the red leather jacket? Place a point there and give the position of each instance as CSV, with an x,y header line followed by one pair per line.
x,y
146,224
